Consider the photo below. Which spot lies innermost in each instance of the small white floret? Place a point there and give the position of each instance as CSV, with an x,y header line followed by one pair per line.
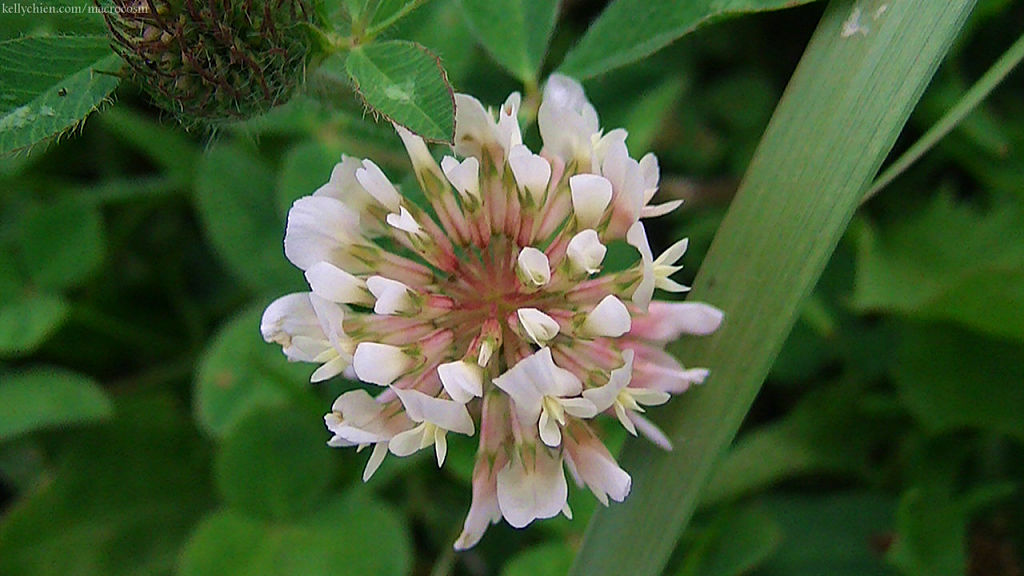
x,y
585,253
380,364
464,176
591,195
533,267
377,184
392,296
540,327
609,318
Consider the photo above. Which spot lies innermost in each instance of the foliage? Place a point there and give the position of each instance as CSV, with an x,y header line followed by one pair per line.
x,y
146,428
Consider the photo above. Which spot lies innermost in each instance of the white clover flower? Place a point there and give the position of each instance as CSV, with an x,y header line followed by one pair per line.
x,y
488,311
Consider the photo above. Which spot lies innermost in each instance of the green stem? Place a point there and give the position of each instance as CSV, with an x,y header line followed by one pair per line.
x,y
328,43
984,86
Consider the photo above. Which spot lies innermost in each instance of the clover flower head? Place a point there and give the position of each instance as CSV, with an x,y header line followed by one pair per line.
x,y
485,310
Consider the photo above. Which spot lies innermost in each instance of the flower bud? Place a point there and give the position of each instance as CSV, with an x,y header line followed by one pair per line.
x,y
213,61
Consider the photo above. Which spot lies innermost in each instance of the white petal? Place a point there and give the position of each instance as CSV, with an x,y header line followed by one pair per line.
x,y
669,285
329,369
404,221
604,396
649,397
604,146
667,321
585,252
474,127
446,414
343,186
380,450
392,296
590,197
380,364
462,380
567,121
609,318
407,442
357,407
660,209
320,229
464,176
672,255
540,327
695,318
508,132
565,92
531,171
377,184
651,431
417,150
440,445
289,317
482,512
579,407
624,418
334,284
549,432
331,317
534,377
600,472
651,173
637,237
356,418
525,495
486,350
533,267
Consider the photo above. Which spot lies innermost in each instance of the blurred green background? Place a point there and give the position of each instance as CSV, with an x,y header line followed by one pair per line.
x,y
145,428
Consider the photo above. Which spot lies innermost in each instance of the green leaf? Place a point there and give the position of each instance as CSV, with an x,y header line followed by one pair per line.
x,y
628,30
72,17
833,535
983,131
827,431
947,262
29,319
951,379
45,397
240,373
405,83
354,536
50,84
441,27
735,543
932,527
124,497
62,244
387,12
238,205
650,113
841,114
275,463
515,33
931,535
552,559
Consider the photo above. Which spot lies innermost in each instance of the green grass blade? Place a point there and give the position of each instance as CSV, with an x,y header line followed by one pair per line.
x,y
863,72
976,95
